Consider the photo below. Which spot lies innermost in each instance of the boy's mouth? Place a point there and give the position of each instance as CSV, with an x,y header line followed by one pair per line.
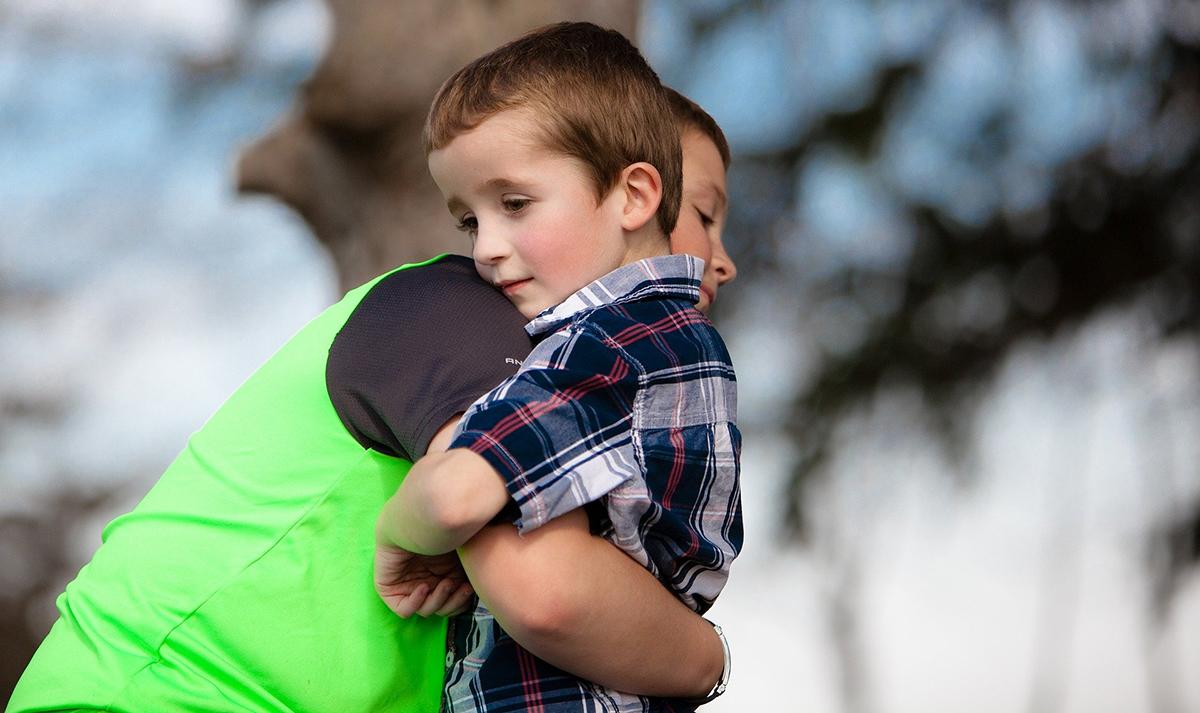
x,y
509,287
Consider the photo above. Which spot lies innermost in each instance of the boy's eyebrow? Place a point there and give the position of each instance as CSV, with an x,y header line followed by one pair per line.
x,y
502,184
722,200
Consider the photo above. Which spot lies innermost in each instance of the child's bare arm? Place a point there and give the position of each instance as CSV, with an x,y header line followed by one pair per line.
x,y
581,604
444,500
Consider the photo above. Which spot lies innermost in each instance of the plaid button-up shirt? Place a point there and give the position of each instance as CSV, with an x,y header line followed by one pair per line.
x,y
629,401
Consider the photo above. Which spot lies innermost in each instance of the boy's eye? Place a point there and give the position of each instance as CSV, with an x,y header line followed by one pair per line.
x,y
468,224
515,205
705,219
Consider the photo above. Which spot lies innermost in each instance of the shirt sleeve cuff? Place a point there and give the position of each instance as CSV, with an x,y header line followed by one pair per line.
x,y
539,500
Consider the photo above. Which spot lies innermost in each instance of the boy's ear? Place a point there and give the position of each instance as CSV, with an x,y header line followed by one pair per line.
x,y
641,186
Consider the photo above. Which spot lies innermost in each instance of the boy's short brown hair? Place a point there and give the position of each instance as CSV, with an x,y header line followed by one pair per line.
x,y
595,98
689,115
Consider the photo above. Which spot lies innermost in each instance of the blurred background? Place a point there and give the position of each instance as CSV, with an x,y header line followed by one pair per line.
x,y
965,323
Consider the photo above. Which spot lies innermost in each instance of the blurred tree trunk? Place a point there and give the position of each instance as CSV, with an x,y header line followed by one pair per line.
x,y
347,157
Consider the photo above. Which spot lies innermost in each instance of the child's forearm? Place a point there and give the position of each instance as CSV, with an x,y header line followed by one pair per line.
x,y
581,604
444,500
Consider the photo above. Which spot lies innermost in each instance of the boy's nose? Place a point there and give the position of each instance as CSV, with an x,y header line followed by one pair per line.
x,y
489,248
722,264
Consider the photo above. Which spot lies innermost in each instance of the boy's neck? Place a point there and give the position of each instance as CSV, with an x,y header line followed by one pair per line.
x,y
640,247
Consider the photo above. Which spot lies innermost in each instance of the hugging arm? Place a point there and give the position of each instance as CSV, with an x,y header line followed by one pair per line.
x,y
581,604
574,600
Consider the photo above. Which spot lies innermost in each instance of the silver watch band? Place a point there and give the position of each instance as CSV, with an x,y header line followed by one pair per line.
x,y
723,682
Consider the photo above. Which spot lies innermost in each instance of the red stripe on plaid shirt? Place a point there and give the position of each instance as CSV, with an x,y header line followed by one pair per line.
x,y
529,681
676,467
528,413
671,323
673,483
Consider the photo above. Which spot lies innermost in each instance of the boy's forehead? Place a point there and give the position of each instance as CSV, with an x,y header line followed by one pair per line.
x,y
511,129
497,153
703,169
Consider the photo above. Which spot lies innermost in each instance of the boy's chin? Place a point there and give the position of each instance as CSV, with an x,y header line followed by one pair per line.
x,y
528,310
530,306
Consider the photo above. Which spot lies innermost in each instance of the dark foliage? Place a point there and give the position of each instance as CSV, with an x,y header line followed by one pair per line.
x,y
1111,234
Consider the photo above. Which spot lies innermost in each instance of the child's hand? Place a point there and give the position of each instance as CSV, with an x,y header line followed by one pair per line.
x,y
420,584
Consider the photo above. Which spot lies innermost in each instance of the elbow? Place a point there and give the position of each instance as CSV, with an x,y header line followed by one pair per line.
x,y
550,621
544,613
449,511
454,495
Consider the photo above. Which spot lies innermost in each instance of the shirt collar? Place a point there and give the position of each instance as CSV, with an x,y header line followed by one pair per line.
x,y
675,276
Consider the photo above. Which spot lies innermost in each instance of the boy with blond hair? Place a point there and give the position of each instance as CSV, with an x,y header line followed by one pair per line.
x,y
559,155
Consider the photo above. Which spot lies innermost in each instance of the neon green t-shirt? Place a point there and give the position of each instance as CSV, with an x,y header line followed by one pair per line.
x,y
243,580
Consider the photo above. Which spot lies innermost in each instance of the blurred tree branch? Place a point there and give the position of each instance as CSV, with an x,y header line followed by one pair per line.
x,y
1105,239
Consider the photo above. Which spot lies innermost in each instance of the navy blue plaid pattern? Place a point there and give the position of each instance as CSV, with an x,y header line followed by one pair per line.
x,y
629,401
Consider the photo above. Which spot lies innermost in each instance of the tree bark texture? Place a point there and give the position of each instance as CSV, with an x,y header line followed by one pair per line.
x,y
347,156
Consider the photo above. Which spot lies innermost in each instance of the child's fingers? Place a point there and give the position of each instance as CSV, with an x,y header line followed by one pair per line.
x,y
437,598
457,603
406,606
